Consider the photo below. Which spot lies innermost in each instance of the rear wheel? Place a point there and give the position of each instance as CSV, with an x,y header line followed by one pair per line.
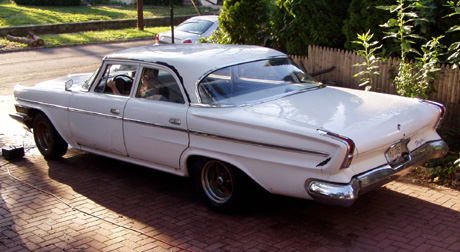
x,y
48,141
220,184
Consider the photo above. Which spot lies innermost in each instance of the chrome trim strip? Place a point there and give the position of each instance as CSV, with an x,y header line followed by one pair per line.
x,y
42,103
260,144
155,125
346,194
86,112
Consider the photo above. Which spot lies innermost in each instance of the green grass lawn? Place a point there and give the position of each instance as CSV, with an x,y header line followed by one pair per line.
x,y
91,37
15,15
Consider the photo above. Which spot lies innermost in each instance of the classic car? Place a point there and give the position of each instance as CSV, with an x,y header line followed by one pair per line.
x,y
233,116
189,31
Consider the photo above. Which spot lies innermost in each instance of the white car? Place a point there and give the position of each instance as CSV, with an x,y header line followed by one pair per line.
x,y
189,31
231,116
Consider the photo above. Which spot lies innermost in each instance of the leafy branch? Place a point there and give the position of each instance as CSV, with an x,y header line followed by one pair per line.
x,y
369,52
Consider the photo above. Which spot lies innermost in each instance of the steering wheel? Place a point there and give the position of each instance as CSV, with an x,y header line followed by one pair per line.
x,y
123,83
123,75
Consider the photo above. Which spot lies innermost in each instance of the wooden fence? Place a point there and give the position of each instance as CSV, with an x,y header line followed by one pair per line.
x,y
321,58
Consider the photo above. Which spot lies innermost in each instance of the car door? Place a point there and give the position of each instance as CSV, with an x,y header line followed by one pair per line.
x,y
155,126
96,116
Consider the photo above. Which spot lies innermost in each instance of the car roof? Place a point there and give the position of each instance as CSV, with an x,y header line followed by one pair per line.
x,y
193,61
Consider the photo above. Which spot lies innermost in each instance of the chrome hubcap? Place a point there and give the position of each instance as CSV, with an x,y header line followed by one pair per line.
x,y
217,181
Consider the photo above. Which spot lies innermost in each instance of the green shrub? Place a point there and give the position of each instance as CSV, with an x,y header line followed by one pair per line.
x,y
49,2
245,21
299,23
363,16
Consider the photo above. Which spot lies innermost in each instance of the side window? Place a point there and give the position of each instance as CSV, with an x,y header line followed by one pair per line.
x,y
117,79
159,85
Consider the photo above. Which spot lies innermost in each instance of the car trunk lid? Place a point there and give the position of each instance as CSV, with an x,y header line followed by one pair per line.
x,y
365,117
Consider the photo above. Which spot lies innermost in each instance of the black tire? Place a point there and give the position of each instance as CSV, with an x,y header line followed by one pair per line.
x,y
220,184
48,141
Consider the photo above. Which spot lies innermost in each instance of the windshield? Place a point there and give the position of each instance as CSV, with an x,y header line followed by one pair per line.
x,y
253,81
196,26
88,82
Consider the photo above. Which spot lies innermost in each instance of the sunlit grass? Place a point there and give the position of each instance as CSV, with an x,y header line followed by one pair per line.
x,y
15,15
90,37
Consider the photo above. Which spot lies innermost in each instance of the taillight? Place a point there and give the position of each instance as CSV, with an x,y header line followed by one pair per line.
x,y
157,38
347,141
442,111
187,41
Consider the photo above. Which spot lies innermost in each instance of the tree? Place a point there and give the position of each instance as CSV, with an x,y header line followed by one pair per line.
x,y
245,21
299,23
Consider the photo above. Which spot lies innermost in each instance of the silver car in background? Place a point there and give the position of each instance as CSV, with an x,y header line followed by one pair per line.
x,y
189,31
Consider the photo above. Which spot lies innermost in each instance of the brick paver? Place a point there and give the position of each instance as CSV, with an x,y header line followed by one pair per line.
x,y
163,211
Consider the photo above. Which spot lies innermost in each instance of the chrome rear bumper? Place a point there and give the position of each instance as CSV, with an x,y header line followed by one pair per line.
x,y
346,194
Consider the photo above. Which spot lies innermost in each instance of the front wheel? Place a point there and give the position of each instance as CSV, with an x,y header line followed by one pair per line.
x,y
48,141
220,184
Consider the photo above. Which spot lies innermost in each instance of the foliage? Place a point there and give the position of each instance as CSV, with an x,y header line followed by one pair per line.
x,y
413,79
362,16
217,37
299,23
49,2
245,21
369,54
454,48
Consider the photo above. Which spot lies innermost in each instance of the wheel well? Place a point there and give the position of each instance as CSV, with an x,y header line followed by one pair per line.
x,y
191,161
31,113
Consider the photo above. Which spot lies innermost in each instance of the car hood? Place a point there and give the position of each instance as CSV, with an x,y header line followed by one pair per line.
x,y
59,83
365,117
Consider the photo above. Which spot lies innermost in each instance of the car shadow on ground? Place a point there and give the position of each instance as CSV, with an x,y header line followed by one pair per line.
x,y
169,204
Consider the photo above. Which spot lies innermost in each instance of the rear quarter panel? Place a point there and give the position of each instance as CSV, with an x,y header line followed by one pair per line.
x,y
249,142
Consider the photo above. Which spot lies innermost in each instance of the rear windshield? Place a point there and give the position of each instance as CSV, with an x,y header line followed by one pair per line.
x,y
254,81
196,26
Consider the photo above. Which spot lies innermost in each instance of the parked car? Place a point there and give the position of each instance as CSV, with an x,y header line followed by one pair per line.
x,y
189,31
230,116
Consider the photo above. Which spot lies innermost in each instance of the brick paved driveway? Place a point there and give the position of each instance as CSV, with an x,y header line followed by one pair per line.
x,y
137,209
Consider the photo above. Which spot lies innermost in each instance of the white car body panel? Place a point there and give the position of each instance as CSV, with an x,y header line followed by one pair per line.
x,y
276,142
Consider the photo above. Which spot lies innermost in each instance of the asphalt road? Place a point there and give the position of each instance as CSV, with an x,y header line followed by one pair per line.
x,y
32,66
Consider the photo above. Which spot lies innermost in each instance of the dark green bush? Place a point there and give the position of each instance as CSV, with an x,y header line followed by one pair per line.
x,y
245,21
362,16
49,2
299,23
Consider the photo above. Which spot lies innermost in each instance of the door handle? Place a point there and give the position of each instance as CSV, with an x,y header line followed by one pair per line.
x,y
114,111
175,121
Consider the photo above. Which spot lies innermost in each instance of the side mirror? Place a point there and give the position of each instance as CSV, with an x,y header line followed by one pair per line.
x,y
68,85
